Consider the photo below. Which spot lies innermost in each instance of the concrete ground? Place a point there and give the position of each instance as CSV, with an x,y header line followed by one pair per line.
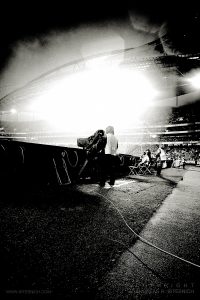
x,y
145,272
73,244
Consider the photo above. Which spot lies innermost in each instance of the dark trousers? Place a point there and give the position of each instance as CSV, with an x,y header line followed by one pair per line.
x,y
159,166
108,165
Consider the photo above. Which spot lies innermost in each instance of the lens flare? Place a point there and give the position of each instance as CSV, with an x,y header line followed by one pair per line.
x,y
96,97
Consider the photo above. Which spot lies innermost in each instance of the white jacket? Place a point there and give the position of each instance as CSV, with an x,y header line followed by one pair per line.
x,y
162,154
111,145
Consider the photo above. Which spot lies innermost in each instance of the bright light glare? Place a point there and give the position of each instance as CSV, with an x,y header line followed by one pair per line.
x,y
13,111
96,98
195,81
96,63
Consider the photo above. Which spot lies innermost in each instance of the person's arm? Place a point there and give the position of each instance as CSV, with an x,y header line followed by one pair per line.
x,y
158,153
108,145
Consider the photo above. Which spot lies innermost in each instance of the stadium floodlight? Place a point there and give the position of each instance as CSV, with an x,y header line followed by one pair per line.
x,y
195,80
153,136
95,98
13,111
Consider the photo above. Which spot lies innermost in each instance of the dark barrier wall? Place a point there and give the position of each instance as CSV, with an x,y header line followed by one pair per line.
x,y
31,164
39,164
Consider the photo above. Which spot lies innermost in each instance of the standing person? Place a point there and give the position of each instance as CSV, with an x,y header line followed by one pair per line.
x,y
109,161
183,162
160,159
196,156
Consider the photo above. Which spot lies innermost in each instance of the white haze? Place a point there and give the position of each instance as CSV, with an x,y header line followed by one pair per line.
x,y
38,55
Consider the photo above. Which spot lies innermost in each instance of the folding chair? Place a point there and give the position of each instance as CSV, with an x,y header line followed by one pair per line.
x,y
134,169
144,169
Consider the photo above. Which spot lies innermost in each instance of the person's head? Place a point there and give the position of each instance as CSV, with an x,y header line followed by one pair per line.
x,y
110,129
100,132
161,146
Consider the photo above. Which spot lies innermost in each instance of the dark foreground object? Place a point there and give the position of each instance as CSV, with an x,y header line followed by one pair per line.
x,y
65,240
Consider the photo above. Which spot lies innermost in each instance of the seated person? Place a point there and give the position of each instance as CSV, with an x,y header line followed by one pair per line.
x,y
148,152
145,159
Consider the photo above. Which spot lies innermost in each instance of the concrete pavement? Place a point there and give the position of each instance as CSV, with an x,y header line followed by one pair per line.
x,y
144,272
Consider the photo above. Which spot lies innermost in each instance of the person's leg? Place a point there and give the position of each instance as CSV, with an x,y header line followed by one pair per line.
x,y
102,170
112,169
159,168
158,171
